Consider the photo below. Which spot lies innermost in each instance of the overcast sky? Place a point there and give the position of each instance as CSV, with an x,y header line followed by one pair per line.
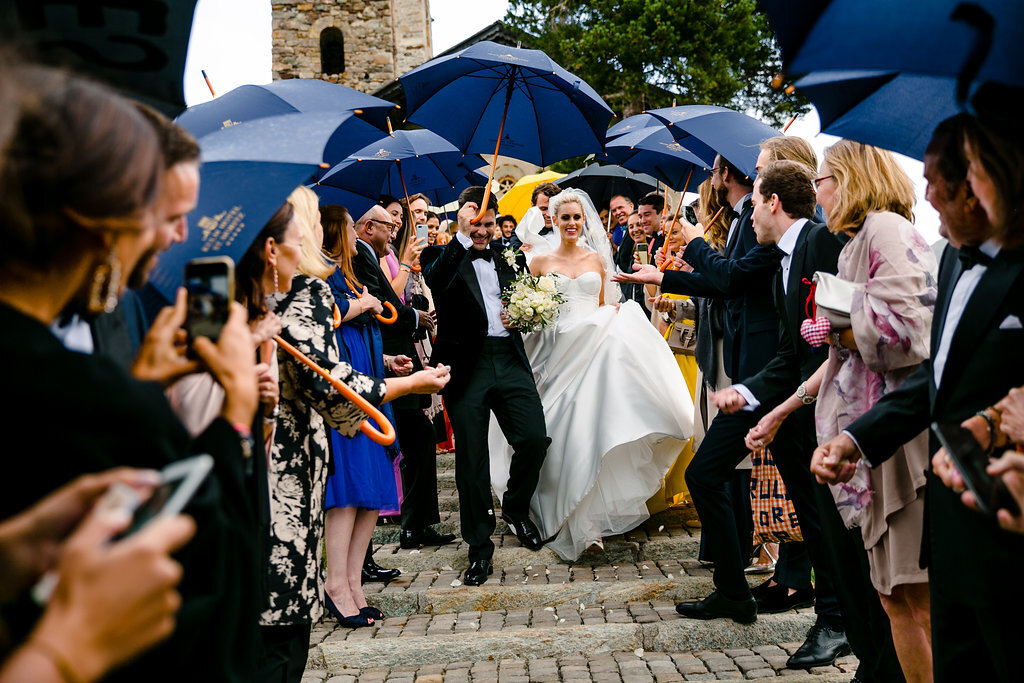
x,y
231,41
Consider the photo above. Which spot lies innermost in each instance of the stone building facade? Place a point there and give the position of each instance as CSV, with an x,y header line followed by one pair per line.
x,y
364,44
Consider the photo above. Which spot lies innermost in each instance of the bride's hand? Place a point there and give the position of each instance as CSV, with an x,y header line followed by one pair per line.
x,y
763,433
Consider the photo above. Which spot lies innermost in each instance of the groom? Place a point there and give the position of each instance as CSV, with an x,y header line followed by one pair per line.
x,y
490,373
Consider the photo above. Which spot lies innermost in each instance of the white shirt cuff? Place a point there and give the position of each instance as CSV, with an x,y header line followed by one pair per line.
x,y
860,450
464,240
752,403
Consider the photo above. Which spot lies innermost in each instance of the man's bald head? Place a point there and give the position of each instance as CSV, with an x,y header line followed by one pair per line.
x,y
374,228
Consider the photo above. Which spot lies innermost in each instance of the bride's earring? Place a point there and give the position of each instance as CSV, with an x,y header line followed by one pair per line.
x,y
106,285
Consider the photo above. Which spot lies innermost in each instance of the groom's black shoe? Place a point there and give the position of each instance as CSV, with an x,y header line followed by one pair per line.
x,y
425,536
526,531
477,572
717,605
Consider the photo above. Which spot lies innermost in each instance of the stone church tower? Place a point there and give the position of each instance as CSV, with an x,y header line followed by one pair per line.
x,y
364,44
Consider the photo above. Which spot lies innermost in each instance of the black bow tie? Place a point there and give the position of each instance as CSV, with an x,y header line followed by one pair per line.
x,y
972,256
485,254
546,231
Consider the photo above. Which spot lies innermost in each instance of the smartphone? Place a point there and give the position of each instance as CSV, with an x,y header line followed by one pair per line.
x,y
690,214
179,481
971,460
421,231
210,283
643,254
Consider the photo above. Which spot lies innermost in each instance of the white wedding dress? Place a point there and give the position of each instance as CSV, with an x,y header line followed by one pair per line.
x,y
618,413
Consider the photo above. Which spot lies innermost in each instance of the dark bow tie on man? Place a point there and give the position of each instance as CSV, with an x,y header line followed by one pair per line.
x,y
485,254
971,256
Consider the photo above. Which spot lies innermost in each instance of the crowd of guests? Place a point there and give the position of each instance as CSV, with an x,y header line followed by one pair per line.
x,y
908,574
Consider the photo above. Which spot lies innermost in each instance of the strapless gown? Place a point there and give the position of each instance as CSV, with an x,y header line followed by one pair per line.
x,y
617,411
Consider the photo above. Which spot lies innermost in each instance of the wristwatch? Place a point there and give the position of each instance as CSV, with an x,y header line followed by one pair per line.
x,y
805,398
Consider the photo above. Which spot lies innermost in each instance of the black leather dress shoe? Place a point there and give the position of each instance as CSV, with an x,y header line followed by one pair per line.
x,y
477,572
775,599
426,536
821,648
717,605
526,531
374,573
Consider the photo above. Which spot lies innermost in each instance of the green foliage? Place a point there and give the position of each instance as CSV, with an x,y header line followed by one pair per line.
x,y
642,54
569,165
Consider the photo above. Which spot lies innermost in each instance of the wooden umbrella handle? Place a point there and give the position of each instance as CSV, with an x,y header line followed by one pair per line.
x,y
384,438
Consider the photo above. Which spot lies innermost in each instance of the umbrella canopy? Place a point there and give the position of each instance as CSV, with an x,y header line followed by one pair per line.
x,y
890,110
630,124
603,182
516,201
655,151
971,41
356,204
548,113
249,102
734,135
403,163
139,47
236,199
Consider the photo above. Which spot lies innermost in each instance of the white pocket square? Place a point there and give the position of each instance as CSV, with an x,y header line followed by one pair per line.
x,y
1011,322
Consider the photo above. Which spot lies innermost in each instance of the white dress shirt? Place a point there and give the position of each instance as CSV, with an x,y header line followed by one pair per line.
x,y
738,208
490,289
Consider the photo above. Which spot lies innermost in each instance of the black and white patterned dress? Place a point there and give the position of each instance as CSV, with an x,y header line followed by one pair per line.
x,y
298,461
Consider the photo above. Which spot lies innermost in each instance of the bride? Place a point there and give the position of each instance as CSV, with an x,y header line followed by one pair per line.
x,y
615,403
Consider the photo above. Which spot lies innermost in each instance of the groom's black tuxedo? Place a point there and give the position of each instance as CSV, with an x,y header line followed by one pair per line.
x,y
489,374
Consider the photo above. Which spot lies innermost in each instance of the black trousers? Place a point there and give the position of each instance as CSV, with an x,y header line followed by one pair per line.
x,y
285,650
975,642
499,384
793,569
419,468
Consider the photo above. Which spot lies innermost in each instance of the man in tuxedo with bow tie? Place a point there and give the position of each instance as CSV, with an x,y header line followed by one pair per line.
x,y
490,373
976,341
540,198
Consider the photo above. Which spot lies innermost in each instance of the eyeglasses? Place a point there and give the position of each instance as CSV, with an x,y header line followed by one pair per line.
x,y
717,169
819,181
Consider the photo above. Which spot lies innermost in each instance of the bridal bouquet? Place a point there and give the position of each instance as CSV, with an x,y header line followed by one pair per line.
x,y
531,301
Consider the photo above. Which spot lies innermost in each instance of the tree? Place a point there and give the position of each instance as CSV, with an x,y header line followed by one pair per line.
x,y
642,54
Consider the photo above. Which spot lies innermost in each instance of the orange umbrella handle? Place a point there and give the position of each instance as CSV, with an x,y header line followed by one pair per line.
x,y
337,317
384,438
390,320
494,162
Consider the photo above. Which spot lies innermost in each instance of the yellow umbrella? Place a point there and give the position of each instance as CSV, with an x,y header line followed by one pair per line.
x,y
517,200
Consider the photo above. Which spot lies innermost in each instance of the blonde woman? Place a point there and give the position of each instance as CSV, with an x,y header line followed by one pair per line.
x,y
868,197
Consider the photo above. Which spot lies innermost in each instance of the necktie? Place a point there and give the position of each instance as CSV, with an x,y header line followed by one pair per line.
x,y
485,254
972,256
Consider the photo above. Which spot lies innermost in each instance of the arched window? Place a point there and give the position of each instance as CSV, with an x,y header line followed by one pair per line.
x,y
332,51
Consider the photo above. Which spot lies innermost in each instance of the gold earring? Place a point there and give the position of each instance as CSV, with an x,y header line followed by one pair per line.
x,y
106,285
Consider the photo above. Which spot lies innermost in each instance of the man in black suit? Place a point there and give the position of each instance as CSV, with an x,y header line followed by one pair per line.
x,y
741,281
490,373
415,433
976,341
783,202
506,236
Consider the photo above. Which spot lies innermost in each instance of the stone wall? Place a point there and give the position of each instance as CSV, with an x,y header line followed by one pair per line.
x,y
379,35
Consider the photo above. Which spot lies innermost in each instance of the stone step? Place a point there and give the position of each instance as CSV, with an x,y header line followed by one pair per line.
x,y
765,661
567,630
668,543
512,588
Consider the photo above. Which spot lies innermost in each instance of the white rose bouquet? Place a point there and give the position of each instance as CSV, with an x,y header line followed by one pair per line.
x,y
531,301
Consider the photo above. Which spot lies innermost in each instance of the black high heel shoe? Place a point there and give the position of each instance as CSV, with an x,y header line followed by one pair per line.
x,y
356,621
371,612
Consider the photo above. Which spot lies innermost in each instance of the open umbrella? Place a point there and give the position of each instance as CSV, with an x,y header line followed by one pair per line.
x,y
249,102
734,135
656,152
976,41
516,202
630,124
602,182
139,47
491,98
886,109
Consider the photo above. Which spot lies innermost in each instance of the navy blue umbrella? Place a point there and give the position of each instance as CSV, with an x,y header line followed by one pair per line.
x,y
602,182
400,164
491,98
655,151
630,124
976,41
885,109
734,135
356,204
236,199
249,102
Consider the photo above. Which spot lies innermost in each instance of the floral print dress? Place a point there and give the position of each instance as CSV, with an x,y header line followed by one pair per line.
x,y
894,273
298,467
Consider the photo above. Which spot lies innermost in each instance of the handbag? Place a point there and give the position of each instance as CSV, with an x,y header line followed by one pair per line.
x,y
775,519
833,297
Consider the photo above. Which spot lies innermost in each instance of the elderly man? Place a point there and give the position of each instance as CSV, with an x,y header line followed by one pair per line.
x,y
620,206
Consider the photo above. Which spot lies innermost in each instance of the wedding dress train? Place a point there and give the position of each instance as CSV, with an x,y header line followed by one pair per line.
x,y
617,411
